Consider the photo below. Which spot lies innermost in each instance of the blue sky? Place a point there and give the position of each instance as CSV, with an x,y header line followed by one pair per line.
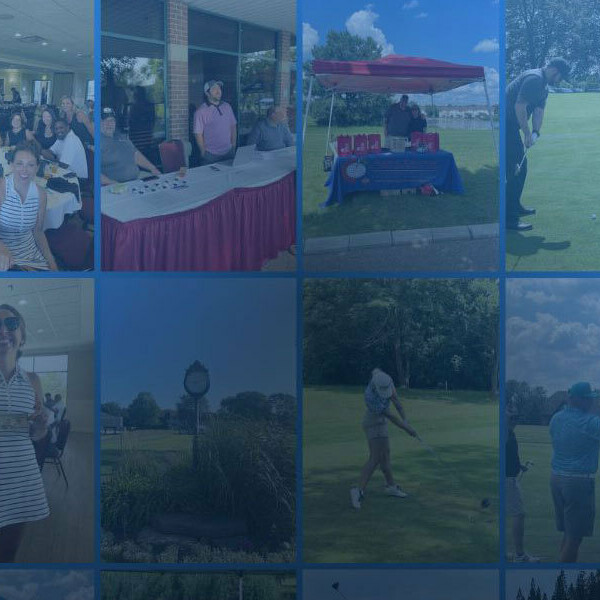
x,y
429,28
49,585
553,332
243,330
391,584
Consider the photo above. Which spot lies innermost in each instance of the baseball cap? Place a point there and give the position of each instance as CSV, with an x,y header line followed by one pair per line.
x,y
582,389
108,112
383,384
563,67
210,84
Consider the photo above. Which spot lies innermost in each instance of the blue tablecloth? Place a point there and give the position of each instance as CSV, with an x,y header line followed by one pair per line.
x,y
392,171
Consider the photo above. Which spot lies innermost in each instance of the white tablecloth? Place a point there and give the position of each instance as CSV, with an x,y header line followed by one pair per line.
x,y
59,204
203,185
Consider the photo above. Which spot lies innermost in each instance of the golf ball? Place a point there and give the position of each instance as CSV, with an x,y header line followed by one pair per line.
x,y
593,217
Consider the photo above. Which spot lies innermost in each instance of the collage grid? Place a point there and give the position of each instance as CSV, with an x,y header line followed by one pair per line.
x,y
300,277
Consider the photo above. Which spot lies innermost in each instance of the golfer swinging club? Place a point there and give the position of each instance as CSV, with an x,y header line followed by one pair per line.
x,y
378,395
526,97
575,434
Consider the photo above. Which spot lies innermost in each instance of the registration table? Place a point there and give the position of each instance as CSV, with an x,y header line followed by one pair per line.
x,y
59,204
216,218
392,171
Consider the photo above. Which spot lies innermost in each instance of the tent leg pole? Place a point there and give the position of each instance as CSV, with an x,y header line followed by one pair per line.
x,y
308,100
329,127
489,107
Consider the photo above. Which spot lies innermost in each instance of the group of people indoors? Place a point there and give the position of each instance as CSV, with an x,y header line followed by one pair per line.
x,y
62,137
215,135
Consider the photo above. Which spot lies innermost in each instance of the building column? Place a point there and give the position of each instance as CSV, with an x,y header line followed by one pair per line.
x,y
282,81
177,70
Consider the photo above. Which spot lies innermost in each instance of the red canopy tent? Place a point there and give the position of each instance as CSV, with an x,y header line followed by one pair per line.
x,y
394,74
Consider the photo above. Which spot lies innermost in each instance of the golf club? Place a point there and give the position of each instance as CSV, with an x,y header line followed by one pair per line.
x,y
483,503
534,137
528,465
336,586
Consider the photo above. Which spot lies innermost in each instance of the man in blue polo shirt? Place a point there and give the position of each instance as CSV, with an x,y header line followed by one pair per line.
x,y
575,434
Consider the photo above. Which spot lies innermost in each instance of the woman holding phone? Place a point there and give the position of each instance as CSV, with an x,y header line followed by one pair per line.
x,y
22,494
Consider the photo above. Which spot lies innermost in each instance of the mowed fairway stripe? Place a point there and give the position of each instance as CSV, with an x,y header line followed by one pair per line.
x,y
441,520
563,184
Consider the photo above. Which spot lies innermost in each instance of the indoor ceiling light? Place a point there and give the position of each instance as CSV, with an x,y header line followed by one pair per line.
x,y
17,34
44,43
40,331
22,302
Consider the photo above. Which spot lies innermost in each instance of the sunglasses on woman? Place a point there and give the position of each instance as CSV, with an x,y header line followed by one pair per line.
x,y
11,323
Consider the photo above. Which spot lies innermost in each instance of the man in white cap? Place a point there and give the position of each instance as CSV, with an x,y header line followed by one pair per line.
x,y
378,395
215,126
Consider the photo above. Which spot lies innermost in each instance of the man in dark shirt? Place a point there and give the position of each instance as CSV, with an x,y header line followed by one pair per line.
x,y
525,98
514,499
397,118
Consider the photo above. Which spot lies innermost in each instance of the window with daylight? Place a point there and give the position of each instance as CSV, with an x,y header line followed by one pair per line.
x,y
52,371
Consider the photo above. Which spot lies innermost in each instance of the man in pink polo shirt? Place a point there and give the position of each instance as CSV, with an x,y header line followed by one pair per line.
x,y
215,127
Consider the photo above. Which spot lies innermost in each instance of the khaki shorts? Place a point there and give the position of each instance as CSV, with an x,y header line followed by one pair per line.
x,y
574,504
374,425
514,499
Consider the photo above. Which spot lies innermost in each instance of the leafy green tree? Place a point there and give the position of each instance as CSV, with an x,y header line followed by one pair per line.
x,y
247,405
143,412
113,409
350,108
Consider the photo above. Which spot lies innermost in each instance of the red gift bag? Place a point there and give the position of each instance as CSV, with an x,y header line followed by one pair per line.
x,y
429,141
344,145
361,143
374,141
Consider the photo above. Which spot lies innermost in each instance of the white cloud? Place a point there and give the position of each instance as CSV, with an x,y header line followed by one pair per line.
x,y
410,5
310,38
487,45
422,15
362,24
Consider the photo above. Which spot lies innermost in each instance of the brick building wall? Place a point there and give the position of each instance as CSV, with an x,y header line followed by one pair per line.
x,y
177,70
282,81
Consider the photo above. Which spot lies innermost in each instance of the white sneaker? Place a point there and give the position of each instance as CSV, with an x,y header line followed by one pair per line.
x,y
395,490
356,497
526,558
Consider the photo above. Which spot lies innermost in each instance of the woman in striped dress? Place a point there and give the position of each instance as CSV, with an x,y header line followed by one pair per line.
x,y
23,243
22,495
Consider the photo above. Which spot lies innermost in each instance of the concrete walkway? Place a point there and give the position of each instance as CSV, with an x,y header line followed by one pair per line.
x,y
454,249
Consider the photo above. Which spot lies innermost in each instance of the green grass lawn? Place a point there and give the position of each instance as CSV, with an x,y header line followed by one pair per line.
x,y
368,211
440,520
541,537
563,184
163,446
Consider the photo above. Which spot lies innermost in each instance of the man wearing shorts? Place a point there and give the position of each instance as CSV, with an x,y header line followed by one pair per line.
x,y
514,500
575,434
379,394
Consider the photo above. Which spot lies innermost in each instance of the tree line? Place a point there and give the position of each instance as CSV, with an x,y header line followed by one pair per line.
x,y
537,30
144,412
425,333
586,587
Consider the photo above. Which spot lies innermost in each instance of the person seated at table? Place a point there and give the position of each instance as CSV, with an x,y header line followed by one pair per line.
x,y
271,133
44,133
397,119
78,121
18,132
215,126
418,122
67,149
23,243
121,160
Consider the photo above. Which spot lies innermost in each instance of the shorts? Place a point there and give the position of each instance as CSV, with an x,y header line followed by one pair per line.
x,y
514,499
374,425
574,504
